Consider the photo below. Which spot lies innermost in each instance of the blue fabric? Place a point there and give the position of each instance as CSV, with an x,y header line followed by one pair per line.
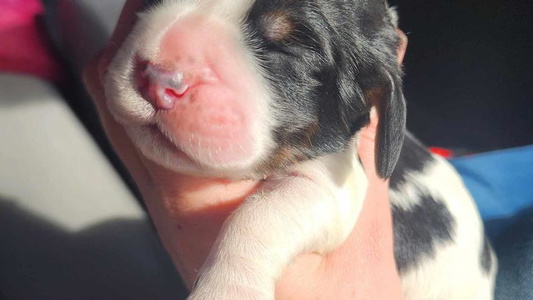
x,y
501,182
514,248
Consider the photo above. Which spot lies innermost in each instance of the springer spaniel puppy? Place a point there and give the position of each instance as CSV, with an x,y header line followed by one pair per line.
x,y
278,90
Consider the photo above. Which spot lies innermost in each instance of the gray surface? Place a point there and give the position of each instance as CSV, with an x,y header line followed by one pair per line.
x,y
69,228
82,27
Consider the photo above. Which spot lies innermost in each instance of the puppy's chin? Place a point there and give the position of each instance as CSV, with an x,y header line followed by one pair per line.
x,y
158,148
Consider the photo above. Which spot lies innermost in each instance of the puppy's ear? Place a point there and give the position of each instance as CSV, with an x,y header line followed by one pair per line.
x,y
389,101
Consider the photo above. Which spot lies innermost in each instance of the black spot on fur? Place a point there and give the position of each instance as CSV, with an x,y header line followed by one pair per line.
x,y
419,230
413,158
486,256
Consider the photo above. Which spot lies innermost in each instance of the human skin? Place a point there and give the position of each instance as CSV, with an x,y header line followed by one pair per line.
x,y
188,212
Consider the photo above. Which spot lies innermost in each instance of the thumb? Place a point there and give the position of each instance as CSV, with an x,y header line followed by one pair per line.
x,y
366,146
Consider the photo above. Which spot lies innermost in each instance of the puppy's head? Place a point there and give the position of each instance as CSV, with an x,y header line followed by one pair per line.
x,y
241,88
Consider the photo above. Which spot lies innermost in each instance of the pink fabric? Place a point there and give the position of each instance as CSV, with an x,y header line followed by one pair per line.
x,y
24,44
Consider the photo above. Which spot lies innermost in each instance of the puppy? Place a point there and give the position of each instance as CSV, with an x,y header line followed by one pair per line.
x,y
278,90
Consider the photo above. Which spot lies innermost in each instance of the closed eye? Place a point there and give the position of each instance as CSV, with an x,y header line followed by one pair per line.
x,y
277,26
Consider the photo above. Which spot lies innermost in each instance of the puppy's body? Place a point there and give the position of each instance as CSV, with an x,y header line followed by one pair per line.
x,y
278,89
440,248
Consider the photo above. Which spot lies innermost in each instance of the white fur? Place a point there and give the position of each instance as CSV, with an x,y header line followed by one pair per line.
x,y
140,118
312,210
455,272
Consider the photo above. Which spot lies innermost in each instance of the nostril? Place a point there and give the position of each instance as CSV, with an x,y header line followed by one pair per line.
x,y
177,85
175,93
159,86
166,98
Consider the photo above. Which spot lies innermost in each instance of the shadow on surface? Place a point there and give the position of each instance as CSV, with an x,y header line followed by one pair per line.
x,y
515,253
119,259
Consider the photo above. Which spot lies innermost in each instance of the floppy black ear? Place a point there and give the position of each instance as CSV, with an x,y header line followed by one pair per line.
x,y
390,104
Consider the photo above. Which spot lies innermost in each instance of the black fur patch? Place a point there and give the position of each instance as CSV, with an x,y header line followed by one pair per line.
x,y
486,256
418,230
413,158
321,59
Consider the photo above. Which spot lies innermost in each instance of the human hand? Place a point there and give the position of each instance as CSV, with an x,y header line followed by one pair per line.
x,y
188,211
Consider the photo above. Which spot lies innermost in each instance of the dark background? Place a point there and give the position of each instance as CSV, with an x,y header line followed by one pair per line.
x,y
469,64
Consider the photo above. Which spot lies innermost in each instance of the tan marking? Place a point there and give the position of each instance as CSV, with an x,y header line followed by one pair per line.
x,y
278,26
291,150
375,96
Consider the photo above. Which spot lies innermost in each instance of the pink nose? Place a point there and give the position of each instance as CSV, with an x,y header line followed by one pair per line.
x,y
162,88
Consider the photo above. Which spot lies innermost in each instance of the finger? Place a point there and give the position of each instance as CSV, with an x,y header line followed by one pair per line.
x,y
366,145
114,131
92,80
366,260
402,47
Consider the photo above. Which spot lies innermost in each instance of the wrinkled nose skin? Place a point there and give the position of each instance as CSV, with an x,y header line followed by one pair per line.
x,y
203,90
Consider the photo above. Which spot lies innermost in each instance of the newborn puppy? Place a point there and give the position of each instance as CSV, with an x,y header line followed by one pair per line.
x,y
278,90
